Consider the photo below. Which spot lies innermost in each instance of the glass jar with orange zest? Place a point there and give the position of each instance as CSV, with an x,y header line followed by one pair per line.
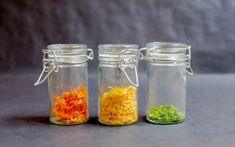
x,y
65,66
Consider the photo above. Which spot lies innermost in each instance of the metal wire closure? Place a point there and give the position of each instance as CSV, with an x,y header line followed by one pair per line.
x,y
140,55
50,64
187,58
188,63
121,66
90,56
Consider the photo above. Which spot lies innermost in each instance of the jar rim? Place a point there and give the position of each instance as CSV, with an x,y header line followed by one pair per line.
x,y
116,50
169,46
115,53
167,51
58,47
68,53
123,46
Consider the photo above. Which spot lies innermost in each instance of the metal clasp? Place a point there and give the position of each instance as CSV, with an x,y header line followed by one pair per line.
x,y
122,68
189,69
141,56
90,56
49,65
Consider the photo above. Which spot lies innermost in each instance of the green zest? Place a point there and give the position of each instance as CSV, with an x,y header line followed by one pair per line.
x,y
165,114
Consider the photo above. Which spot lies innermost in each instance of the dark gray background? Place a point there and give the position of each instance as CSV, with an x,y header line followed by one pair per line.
x,y
26,26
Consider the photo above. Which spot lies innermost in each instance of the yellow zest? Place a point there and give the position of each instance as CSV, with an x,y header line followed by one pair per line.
x,y
118,106
71,106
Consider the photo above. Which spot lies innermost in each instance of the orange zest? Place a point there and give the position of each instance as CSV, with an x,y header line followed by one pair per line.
x,y
71,106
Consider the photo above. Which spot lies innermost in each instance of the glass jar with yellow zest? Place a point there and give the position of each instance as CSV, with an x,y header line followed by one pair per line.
x,y
118,83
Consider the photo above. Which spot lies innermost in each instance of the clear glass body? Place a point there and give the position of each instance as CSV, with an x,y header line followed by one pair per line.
x,y
117,97
166,93
67,83
117,104
167,67
69,95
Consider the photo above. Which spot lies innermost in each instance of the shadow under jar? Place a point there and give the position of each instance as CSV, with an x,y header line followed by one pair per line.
x,y
167,65
65,66
118,83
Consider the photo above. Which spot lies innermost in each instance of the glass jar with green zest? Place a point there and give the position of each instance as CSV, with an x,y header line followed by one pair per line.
x,y
167,66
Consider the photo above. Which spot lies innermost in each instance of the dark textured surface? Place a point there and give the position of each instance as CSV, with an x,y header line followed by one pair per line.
x,y
210,118
26,26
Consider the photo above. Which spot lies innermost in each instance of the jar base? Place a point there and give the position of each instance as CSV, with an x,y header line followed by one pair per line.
x,y
164,123
110,124
62,123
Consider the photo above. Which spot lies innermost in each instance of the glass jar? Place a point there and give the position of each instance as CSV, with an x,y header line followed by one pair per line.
x,y
65,66
167,65
118,83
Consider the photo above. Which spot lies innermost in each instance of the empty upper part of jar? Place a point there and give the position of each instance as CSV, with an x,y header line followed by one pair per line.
x,y
167,52
63,55
113,53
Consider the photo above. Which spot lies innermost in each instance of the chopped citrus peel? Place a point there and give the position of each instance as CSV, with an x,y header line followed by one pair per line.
x,y
70,107
165,114
118,106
